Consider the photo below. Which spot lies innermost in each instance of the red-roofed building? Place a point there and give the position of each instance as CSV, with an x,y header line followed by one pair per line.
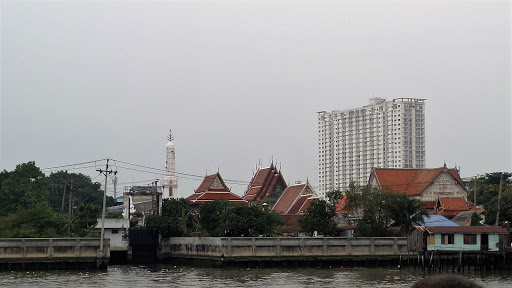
x,y
295,199
213,188
450,207
423,184
266,183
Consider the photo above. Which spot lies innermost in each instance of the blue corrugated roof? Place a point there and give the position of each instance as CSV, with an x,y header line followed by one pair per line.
x,y
437,220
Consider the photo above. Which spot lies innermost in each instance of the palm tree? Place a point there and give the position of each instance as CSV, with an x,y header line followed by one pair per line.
x,y
405,211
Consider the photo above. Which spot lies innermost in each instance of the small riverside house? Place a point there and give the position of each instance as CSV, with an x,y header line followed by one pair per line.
x,y
459,238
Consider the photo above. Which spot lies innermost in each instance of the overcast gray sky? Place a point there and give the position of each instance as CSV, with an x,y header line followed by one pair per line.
x,y
239,81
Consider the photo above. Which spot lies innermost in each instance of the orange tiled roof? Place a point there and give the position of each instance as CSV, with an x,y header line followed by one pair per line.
x,y
453,204
428,204
214,188
410,181
294,199
288,197
202,197
298,204
340,206
209,180
263,183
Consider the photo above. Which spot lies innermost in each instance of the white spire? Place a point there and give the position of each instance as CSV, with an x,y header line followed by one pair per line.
x,y
170,183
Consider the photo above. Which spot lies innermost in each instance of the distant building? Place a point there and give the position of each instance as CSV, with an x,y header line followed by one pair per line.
x,y
145,199
266,183
423,184
213,188
170,183
389,134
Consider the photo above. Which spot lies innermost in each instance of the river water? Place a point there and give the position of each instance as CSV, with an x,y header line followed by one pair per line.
x,y
173,276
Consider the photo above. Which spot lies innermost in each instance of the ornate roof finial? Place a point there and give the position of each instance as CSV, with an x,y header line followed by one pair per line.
x,y
170,137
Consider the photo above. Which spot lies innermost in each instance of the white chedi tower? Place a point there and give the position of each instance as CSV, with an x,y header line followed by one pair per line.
x,y
170,183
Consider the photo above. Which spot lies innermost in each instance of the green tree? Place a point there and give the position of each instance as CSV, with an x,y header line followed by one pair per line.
x,y
85,220
25,188
475,219
319,217
405,211
373,204
487,189
3,175
177,219
210,214
34,222
334,196
248,221
85,191
491,208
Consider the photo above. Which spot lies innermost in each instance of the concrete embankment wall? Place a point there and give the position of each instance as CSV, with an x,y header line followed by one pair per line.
x,y
225,249
53,253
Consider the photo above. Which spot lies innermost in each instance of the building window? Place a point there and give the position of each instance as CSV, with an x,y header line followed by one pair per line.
x,y
431,240
447,239
115,231
470,239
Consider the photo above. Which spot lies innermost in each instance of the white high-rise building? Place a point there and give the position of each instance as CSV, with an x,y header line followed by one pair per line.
x,y
170,183
385,134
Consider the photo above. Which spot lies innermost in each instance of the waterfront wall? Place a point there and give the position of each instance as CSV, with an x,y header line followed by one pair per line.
x,y
61,252
267,248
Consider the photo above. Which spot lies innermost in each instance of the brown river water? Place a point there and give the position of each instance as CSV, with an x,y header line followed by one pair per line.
x,y
173,276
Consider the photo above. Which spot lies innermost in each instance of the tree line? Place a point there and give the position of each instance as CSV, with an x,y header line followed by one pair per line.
x,y
218,218
32,203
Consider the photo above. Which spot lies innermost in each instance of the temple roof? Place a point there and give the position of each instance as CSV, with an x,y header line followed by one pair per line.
x,y
411,181
295,199
263,183
214,188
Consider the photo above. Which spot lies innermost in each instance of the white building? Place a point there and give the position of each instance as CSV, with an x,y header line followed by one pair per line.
x,y
117,231
170,183
385,134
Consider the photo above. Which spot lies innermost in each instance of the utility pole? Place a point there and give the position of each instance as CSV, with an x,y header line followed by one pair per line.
x,y
105,172
499,200
114,181
63,201
474,193
70,200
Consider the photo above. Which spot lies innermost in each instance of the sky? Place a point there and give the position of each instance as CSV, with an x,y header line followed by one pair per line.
x,y
240,82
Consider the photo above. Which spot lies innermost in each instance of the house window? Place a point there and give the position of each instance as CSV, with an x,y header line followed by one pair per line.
x,y
470,239
447,239
115,231
431,240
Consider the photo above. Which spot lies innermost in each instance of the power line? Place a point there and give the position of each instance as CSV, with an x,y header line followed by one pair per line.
x,y
76,164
